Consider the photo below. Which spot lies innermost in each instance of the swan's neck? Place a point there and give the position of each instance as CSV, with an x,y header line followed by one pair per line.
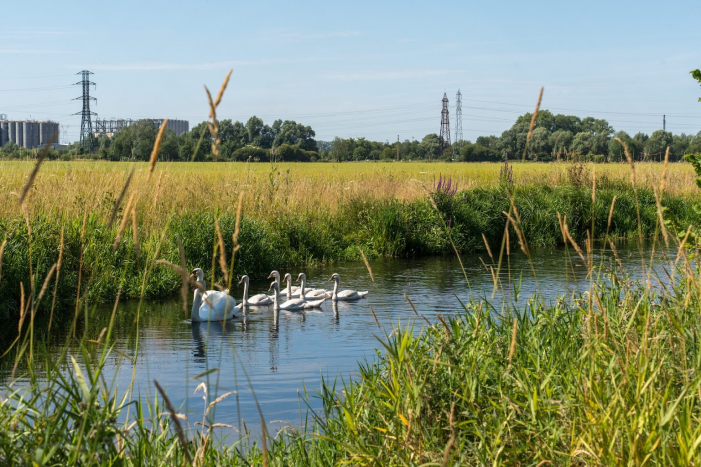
x,y
335,289
304,282
196,303
245,293
289,289
276,298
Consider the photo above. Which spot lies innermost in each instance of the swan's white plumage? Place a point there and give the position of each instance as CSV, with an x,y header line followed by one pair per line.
x,y
260,299
294,304
211,305
344,295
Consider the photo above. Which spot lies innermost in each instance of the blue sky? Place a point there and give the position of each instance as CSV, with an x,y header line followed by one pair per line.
x,y
350,69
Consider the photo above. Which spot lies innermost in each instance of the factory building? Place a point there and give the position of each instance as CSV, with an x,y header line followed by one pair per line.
x,y
27,133
178,126
110,127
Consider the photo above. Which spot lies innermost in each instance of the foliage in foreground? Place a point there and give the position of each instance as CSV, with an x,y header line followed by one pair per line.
x,y
612,379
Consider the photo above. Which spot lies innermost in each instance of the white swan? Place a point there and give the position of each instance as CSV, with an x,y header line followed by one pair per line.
x,y
344,295
260,299
293,304
289,288
211,305
310,293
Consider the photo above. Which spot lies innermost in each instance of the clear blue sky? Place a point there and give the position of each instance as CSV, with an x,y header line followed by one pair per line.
x,y
362,68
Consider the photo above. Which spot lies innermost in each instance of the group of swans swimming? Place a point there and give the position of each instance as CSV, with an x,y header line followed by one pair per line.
x,y
215,305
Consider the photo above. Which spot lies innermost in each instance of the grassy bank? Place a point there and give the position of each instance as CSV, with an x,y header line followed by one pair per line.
x,y
93,261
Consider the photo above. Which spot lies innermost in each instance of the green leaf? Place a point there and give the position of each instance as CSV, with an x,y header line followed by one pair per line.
x,y
81,380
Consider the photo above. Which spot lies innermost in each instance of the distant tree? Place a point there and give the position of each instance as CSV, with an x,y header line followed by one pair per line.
x,y
293,133
582,143
615,149
539,145
560,141
342,149
657,144
431,146
362,149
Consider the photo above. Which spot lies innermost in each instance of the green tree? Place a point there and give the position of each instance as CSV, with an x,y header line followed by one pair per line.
x,y
582,143
657,144
431,146
696,74
560,141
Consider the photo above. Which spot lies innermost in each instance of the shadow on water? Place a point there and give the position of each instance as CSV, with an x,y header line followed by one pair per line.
x,y
284,353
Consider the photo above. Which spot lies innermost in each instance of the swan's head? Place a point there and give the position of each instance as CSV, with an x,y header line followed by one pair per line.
x,y
244,279
288,277
274,286
275,275
301,277
198,274
335,277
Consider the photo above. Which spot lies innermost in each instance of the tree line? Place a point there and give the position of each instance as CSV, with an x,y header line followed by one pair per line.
x,y
555,137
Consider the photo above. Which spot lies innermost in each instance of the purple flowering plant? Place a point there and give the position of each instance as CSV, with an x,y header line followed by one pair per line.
x,y
506,175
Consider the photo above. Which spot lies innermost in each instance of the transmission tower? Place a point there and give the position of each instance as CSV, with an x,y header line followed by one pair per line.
x,y
458,117
444,138
86,136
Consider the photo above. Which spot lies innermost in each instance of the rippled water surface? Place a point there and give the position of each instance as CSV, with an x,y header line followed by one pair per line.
x,y
276,357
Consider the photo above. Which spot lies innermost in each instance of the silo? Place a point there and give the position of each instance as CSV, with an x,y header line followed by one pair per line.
x,y
4,128
31,134
19,134
11,131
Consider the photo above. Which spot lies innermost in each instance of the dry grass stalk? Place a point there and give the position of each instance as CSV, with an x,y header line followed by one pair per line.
x,y
574,244
533,120
44,287
222,252
486,244
158,189
512,348
663,183
411,304
120,198
35,170
375,316
178,427
660,217
154,151
613,203
123,224
214,125
367,265
2,251
135,232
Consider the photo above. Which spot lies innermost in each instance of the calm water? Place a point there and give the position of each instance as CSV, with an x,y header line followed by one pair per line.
x,y
276,357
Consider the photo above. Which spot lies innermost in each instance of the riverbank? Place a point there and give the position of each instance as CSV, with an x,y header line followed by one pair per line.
x,y
93,259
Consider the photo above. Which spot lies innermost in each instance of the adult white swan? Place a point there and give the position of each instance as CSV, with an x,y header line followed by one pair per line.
x,y
344,295
260,299
294,304
211,305
310,293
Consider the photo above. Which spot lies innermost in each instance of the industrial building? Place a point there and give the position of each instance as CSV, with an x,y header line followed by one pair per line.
x,y
27,133
110,127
